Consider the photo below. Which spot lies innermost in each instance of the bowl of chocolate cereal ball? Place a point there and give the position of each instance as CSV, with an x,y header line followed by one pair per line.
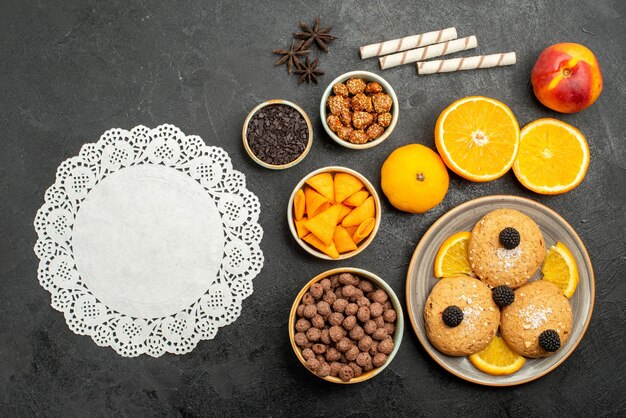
x,y
359,109
277,134
346,325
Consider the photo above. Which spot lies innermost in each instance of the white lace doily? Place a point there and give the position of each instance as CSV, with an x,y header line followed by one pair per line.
x,y
148,241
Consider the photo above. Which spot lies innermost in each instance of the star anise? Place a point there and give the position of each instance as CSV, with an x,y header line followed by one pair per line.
x,y
320,36
308,71
290,56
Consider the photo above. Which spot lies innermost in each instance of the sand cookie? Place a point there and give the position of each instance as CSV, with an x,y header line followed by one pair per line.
x,y
539,307
460,316
506,248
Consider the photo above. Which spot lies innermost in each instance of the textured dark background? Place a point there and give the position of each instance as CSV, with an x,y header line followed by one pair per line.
x,y
70,70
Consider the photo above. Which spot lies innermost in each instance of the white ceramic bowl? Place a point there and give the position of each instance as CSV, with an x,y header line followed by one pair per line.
x,y
376,281
257,159
362,245
368,77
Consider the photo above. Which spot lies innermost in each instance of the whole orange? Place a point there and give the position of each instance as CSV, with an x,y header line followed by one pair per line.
x,y
414,178
567,78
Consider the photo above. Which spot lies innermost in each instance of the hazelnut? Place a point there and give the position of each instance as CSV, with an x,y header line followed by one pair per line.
x,y
363,314
365,343
300,310
333,122
376,309
363,301
345,132
382,102
346,117
332,354
373,88
357,137
379,296
316,290
336,333
310,311
386,346
356,85
357,333
390,315
323,308
317,321
344,344
325,284
384,119
319,348
302,325
365,286
301,339
361,103
379,359
361,120
325,336
307,353
351,309
363,359
313,334
349,322
390,328
313,364
378,335
341,89
352,353
348,290
374,131
370,327
358,371
329,297
346,373
324,370
336,104
340,305
335,318
335,366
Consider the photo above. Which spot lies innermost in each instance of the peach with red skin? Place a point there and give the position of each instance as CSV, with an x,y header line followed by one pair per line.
x,y
567,78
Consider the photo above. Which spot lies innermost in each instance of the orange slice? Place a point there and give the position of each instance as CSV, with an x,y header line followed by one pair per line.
x,y
497,358
357,198
329,250
323,183
452,259
366,210
299,203
323,225
345,186
365,228
478,138
343,241
553,157
314,201
559,267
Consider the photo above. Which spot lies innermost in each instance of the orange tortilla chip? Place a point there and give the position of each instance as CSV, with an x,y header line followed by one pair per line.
x,y
357,199
364,230
329,250
345,211
345,186
323,225
366,210
323,184
313,201
343,241
351,229
301,228
299,205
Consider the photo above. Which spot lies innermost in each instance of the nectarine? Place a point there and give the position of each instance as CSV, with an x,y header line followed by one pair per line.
x,y
567,77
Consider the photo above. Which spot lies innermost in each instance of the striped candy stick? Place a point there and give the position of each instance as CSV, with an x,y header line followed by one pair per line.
x,y
409,42
429,51
469,63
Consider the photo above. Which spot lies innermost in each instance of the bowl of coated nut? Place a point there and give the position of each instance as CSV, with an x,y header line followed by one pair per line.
x,y
346,325
359,109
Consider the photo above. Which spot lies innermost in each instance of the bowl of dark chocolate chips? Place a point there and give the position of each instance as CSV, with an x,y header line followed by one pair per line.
x,y
277,134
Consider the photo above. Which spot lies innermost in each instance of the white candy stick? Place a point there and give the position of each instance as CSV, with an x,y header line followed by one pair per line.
x,y
430,51
409,42
469,63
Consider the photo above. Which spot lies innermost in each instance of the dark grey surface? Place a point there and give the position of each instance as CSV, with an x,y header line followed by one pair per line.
x,y
69,70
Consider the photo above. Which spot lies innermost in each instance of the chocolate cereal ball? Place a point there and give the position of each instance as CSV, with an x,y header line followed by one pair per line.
x,y
357,295
365,343
346,373
313,334
379,359
302,325
363,359
329,297
319,348
363,301
323,309
336,333
325,284
308,298
307,353
358,371
379,335
349,322
338,293
318,322
357,333
351,309
373,348
325,337
363,314
344,344
313,364
352,353
301,339
309,311
348,278
365,286
324,370
348,290
334,280
379,296
390,315
376,310
370,327
316,290
386,346
335,318
335,366
300,310
332,354
340,305
390,328
380,322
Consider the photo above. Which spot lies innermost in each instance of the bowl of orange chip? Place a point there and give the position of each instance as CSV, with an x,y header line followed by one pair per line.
x,y
334,213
